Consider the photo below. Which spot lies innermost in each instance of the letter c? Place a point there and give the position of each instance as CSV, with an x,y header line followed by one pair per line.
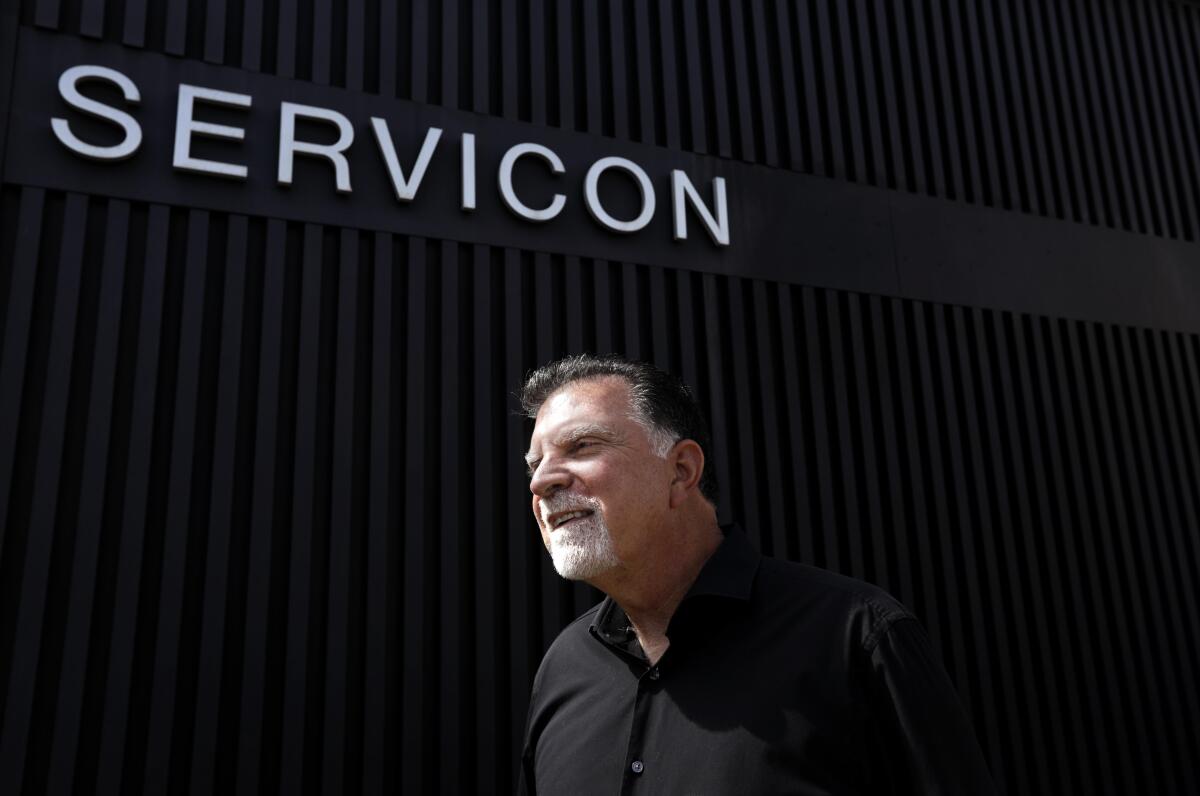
x,y
510,196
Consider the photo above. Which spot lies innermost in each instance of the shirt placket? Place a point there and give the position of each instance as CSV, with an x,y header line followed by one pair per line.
x,y
638,770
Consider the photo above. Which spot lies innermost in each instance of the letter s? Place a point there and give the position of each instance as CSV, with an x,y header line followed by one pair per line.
x,y
68,87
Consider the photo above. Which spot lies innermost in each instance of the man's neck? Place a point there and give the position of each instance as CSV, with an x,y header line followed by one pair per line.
x,y
649,591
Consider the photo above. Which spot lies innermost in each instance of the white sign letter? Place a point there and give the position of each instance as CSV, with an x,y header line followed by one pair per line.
x,y
506,187
289,146
592,196
468,171
717,228
405,187
186,126
68,88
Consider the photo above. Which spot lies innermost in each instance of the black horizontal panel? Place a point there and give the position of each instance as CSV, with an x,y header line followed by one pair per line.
x,y
780,226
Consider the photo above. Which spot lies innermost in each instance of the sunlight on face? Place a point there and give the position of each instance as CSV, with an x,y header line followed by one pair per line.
x,y
597,485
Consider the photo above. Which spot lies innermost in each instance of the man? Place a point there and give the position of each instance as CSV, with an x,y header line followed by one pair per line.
x,y
709,669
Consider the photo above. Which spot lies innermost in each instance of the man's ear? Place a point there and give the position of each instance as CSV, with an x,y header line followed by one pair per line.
x,y
687,462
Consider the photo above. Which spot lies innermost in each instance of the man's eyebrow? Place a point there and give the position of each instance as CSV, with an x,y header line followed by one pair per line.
x,y
587,430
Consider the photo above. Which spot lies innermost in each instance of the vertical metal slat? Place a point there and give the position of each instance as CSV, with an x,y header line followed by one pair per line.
x,y
379,517
17,329
88,521
133,521
28,666
214,631
342,520
262,515
179,508
296,704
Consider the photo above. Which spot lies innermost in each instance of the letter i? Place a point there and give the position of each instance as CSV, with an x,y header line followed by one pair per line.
x,y
468,171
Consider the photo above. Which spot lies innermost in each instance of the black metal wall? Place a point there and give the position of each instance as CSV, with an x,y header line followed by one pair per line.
x,y
265,525
1084,110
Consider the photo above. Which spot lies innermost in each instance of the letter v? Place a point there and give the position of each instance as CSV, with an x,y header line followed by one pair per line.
x,y
406,187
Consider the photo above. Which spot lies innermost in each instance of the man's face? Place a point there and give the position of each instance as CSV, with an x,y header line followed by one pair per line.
x,y
598,488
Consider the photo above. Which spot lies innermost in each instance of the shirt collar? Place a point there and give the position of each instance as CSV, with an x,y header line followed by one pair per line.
x,y
611,626
730,570
729,573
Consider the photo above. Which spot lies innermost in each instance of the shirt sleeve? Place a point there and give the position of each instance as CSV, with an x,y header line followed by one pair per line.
x,y
928,733
526,779
526,785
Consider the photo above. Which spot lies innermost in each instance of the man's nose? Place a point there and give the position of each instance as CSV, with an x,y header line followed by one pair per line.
x,y
548,478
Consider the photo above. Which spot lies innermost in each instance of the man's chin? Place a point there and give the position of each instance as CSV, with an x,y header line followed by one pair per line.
x,y
571,565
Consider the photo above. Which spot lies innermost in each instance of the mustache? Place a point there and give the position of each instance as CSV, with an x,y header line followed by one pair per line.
x,y
558,502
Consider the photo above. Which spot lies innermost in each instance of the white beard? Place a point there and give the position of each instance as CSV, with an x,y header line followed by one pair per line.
x,y
584,549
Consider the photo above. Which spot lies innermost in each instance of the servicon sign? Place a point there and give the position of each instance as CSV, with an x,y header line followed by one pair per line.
x,y
112,97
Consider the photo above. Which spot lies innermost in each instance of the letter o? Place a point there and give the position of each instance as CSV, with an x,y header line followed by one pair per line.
x,y
592,196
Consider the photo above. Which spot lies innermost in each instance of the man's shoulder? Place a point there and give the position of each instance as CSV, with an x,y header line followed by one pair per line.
x,y
783,574
836,596
579,627
572,637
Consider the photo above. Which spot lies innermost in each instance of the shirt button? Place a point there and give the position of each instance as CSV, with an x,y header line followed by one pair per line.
x,y
637,767
654,675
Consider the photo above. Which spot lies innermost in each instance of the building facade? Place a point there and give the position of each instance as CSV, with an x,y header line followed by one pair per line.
x,y
272,270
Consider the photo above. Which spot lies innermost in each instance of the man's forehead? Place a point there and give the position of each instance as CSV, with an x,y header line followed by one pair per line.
x,y
594,406
607,389
604,396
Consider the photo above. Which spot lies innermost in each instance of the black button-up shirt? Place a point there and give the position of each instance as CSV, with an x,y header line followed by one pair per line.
x,y
779,678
